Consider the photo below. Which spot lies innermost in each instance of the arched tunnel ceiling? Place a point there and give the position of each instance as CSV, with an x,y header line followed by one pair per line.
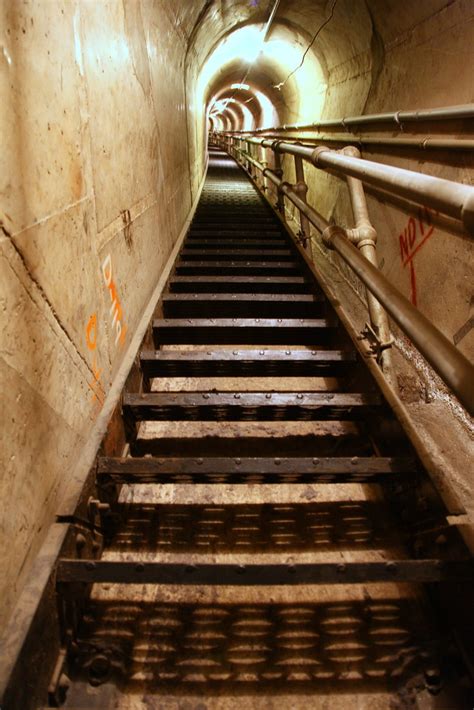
x,y
351,45
261,81
350,29
204,23
348,34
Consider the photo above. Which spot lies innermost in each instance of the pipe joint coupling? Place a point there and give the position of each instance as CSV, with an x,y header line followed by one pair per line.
x,y
329,233
366,243
366,233
300,188
351,150
361,236
284,185
315,155
275,146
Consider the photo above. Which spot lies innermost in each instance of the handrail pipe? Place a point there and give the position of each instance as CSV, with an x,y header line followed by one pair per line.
x,y
449,113
451,198
447,361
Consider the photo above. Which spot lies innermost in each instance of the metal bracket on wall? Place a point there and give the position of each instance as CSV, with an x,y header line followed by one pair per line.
x,y
376,346
302,238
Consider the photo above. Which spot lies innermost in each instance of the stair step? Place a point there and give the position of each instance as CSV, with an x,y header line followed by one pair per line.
x,y
240,284
283,438
239,244
233,216
234,254
140,572
241,223
268,331
252,470
250,363
248,406
239,268
250,235
228,305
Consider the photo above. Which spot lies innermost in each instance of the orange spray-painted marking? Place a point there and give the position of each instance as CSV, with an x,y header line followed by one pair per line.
x,y
95,384
116,312
91,332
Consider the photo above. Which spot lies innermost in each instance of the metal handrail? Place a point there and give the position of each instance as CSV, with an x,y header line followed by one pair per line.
x,y
447,361
446,196
427,143
449,113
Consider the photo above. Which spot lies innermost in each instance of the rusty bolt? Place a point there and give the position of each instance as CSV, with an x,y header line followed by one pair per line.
x,y
80,541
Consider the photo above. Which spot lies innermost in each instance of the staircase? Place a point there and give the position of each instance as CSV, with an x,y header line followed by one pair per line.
x,y
216,586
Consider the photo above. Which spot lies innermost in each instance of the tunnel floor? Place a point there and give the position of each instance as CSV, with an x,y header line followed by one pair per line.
x,y
268,545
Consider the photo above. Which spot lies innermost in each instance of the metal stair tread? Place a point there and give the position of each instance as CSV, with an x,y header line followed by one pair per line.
x,y
140,572
142,470
223,363
210,406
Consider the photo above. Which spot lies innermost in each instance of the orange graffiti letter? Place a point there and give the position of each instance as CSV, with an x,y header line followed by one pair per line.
x,y
91,332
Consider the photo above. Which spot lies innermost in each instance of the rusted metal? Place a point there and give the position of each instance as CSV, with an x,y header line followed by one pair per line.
x,y
266,470
416,571
240,284
250,406
253,363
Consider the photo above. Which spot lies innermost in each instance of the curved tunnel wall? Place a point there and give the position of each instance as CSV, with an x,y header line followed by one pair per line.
x,y
105,150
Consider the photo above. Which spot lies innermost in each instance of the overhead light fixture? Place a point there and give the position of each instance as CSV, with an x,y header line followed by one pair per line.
x,y
246,87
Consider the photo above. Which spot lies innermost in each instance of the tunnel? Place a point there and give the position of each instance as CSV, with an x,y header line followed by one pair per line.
x,y
330,142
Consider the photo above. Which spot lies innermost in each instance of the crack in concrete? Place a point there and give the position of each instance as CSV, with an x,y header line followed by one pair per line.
x,y
59,416
45,298
5,230
74,362
450,6
45,219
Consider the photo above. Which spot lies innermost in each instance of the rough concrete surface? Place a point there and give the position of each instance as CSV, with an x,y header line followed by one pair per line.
x,y
103,151
92,200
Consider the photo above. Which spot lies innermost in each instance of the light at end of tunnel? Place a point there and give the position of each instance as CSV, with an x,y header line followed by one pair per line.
x,y
250,54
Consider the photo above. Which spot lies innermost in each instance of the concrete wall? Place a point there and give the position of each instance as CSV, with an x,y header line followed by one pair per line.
x,y
96,182
94,190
